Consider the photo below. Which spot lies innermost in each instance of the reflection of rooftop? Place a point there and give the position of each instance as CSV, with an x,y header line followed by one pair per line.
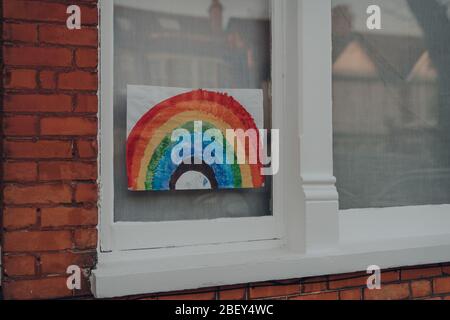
x,y
424,69
354,61
391,57
193,50
167,32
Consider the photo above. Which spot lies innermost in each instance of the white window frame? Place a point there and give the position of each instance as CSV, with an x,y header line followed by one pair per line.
x,y
307,235
121,236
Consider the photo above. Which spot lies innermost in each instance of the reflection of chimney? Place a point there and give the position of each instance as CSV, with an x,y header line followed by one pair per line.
x,y
342,20
215,16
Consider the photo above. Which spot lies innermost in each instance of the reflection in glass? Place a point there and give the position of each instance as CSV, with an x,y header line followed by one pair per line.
x,y
391,103
189,44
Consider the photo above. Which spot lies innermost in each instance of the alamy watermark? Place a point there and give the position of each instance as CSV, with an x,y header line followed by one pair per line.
x,y
74,280
374,280
237,147
74,20
374,20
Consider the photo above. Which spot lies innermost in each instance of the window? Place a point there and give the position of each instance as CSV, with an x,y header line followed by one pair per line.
x,y
167,44
204,45
391,105
293,227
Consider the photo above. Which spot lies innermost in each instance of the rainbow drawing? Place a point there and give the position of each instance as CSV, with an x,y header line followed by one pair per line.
x,y
149,145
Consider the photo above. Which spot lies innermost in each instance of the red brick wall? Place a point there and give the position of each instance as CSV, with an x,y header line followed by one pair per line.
x,y
49,212
424,282
49,122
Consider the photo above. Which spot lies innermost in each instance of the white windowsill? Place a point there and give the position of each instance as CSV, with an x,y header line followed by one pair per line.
x,y
122,278
149,271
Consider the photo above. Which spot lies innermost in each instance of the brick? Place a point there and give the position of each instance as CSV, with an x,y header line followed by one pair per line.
x,y
87,103
390,276
25,32
20,79
37,56
86,58
273,291
420,288
232,294
45,288
85,238
388,292
68,126
318,296
441,285
19,171
32,10
86,192
446,269
38,194
38,103
53,263
352,294
192,296
358,279
354,279
20,126
58,170
31,241
42,149
78,80
55,34
59,217
87,148
19,266
47,79
316,284
19,218
409,274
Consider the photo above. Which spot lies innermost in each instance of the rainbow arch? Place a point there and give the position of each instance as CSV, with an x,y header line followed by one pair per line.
x,y
149,145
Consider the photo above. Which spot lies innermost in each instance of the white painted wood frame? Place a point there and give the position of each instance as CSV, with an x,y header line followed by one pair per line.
x,y
307,235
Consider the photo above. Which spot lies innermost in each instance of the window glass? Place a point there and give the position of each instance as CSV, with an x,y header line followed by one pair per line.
x,y
391,103
189,44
